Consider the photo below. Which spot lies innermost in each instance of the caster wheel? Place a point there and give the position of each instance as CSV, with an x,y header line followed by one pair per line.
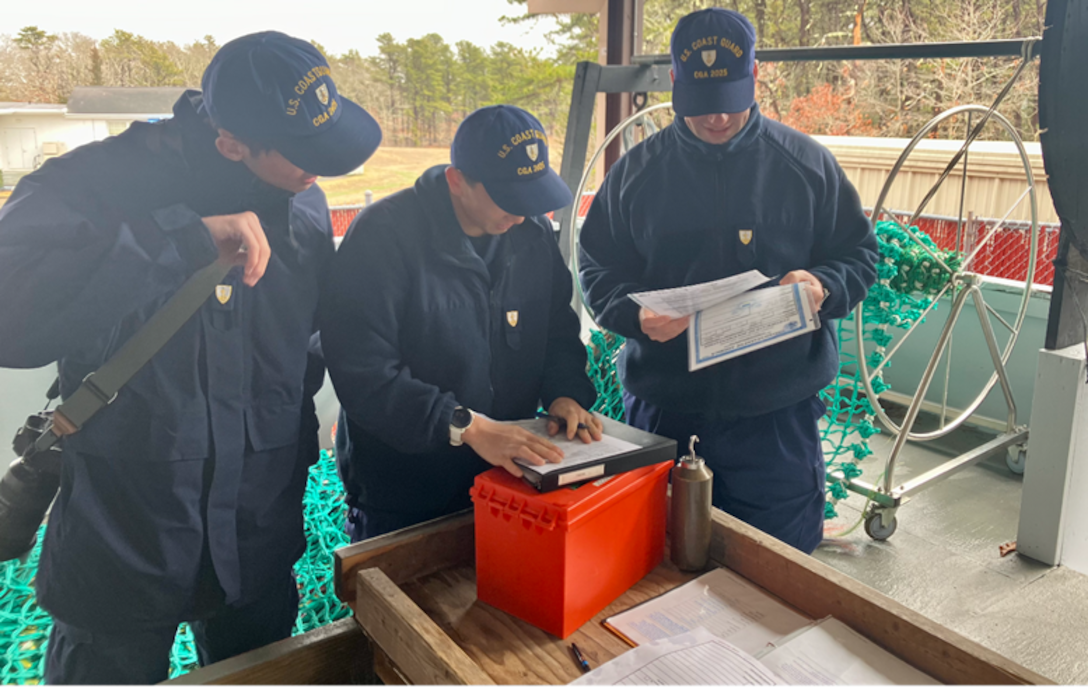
x,y
879,531
1015,459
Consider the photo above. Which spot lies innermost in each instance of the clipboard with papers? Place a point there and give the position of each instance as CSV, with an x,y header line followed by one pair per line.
x,y
622,448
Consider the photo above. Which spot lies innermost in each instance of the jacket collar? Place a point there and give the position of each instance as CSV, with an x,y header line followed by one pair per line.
x,y
744,138
446,235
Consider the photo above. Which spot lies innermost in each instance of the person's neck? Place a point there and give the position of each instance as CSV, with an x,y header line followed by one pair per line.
x,y
467,226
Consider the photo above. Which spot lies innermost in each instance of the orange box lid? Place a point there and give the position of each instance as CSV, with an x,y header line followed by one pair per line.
x,y
563,508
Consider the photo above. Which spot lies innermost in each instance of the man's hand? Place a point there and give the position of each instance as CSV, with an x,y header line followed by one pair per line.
x,y
661,328
498,444
578,421
241,241
815,287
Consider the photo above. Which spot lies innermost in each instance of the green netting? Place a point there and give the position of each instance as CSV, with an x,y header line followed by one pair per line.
x,y
907,281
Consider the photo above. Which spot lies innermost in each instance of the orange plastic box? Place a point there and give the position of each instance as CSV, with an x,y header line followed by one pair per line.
x,y
557,559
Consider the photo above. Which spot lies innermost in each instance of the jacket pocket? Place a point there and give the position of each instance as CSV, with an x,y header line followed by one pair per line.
x,y
270,427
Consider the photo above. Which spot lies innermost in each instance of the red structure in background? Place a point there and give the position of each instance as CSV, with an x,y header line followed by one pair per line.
x,y
1004,256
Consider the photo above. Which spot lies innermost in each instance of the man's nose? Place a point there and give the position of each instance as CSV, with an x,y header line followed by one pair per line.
x,y
720,119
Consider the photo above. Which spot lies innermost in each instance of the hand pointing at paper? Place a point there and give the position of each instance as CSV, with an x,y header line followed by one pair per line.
x,y
661,328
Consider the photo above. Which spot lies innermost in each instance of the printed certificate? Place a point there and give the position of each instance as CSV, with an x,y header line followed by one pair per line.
x,y
748,322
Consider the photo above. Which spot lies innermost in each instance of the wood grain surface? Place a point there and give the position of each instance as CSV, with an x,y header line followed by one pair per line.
x,y
419,648
409,553
514,652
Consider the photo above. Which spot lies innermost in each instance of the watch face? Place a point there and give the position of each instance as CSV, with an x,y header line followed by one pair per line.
x,y
461,418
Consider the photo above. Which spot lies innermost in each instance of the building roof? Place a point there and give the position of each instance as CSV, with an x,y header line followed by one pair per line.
x,y
10,108
100,100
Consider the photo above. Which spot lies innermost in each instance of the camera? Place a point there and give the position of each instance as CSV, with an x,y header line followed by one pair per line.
x,y
28,487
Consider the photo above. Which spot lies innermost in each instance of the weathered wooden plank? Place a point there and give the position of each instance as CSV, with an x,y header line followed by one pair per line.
x,y
412,640
409,553
338,653
818,590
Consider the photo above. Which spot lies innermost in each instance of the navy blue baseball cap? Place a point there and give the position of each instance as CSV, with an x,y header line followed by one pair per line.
x,y
506,149
713,55
278,91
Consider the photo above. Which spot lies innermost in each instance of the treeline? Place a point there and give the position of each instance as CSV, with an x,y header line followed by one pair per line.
x,y
420,88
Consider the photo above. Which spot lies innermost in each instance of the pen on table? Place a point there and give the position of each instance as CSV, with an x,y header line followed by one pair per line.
x,y
560,420
579,658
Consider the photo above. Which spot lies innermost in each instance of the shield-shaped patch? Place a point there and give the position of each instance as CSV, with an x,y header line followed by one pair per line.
x,y
532,150
745,237
709,56
223,292
512,318
323,94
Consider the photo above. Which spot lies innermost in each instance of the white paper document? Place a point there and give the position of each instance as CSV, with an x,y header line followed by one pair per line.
x,y
694,658
748,322
831,653
684,301
719,601
575,452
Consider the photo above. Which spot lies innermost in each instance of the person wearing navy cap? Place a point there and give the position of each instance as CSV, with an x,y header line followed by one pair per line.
x,y
448,311
182,500
721,191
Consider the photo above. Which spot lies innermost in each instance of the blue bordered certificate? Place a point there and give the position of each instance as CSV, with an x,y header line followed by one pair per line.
x,y
748,322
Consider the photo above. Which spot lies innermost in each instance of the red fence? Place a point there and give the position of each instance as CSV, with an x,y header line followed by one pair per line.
x,y
1004,256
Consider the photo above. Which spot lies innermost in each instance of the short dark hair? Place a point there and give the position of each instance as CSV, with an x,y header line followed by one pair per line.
x,y
256,146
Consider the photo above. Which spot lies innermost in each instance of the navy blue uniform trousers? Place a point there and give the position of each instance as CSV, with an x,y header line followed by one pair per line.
x,y
768,470
82,656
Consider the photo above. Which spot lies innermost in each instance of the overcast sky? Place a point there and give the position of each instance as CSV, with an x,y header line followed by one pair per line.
x,y
339,25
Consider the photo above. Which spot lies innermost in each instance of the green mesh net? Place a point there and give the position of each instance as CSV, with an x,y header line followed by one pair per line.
x,y
907,281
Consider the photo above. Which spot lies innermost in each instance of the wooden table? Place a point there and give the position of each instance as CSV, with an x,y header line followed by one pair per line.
x,y
414,597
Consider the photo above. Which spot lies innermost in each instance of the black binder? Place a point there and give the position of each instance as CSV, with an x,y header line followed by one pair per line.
x,y
652,449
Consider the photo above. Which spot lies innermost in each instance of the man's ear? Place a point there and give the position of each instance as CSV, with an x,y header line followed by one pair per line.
x,y
672,77
755,70
455,180
231,148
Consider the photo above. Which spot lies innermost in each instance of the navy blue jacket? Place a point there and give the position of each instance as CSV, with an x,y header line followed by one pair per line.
x,y
414,325
671,212
202,444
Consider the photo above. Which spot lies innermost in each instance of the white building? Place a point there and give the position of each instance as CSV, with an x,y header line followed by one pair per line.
x,y
31,133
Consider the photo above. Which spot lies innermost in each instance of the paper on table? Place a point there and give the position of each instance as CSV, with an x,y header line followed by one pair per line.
x,y
684,301
831,653
720,602
751,321
694,658
575,452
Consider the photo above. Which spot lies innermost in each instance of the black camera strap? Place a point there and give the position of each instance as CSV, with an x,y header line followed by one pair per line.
x,y
100,388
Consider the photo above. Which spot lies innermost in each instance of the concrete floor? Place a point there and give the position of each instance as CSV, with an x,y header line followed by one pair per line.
x,y
943,560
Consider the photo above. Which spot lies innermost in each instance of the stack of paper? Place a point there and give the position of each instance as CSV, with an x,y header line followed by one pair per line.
x,y
719,601
729,318
720,629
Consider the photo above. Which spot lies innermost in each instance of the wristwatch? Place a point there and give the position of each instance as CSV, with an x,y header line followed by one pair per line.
x,y
459,423
827,293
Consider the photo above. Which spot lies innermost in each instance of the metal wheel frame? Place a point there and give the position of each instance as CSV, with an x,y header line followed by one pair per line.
x,y
963,279
574,232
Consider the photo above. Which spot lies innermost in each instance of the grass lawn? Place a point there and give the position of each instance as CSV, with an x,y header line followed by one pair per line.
x,y
389,170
